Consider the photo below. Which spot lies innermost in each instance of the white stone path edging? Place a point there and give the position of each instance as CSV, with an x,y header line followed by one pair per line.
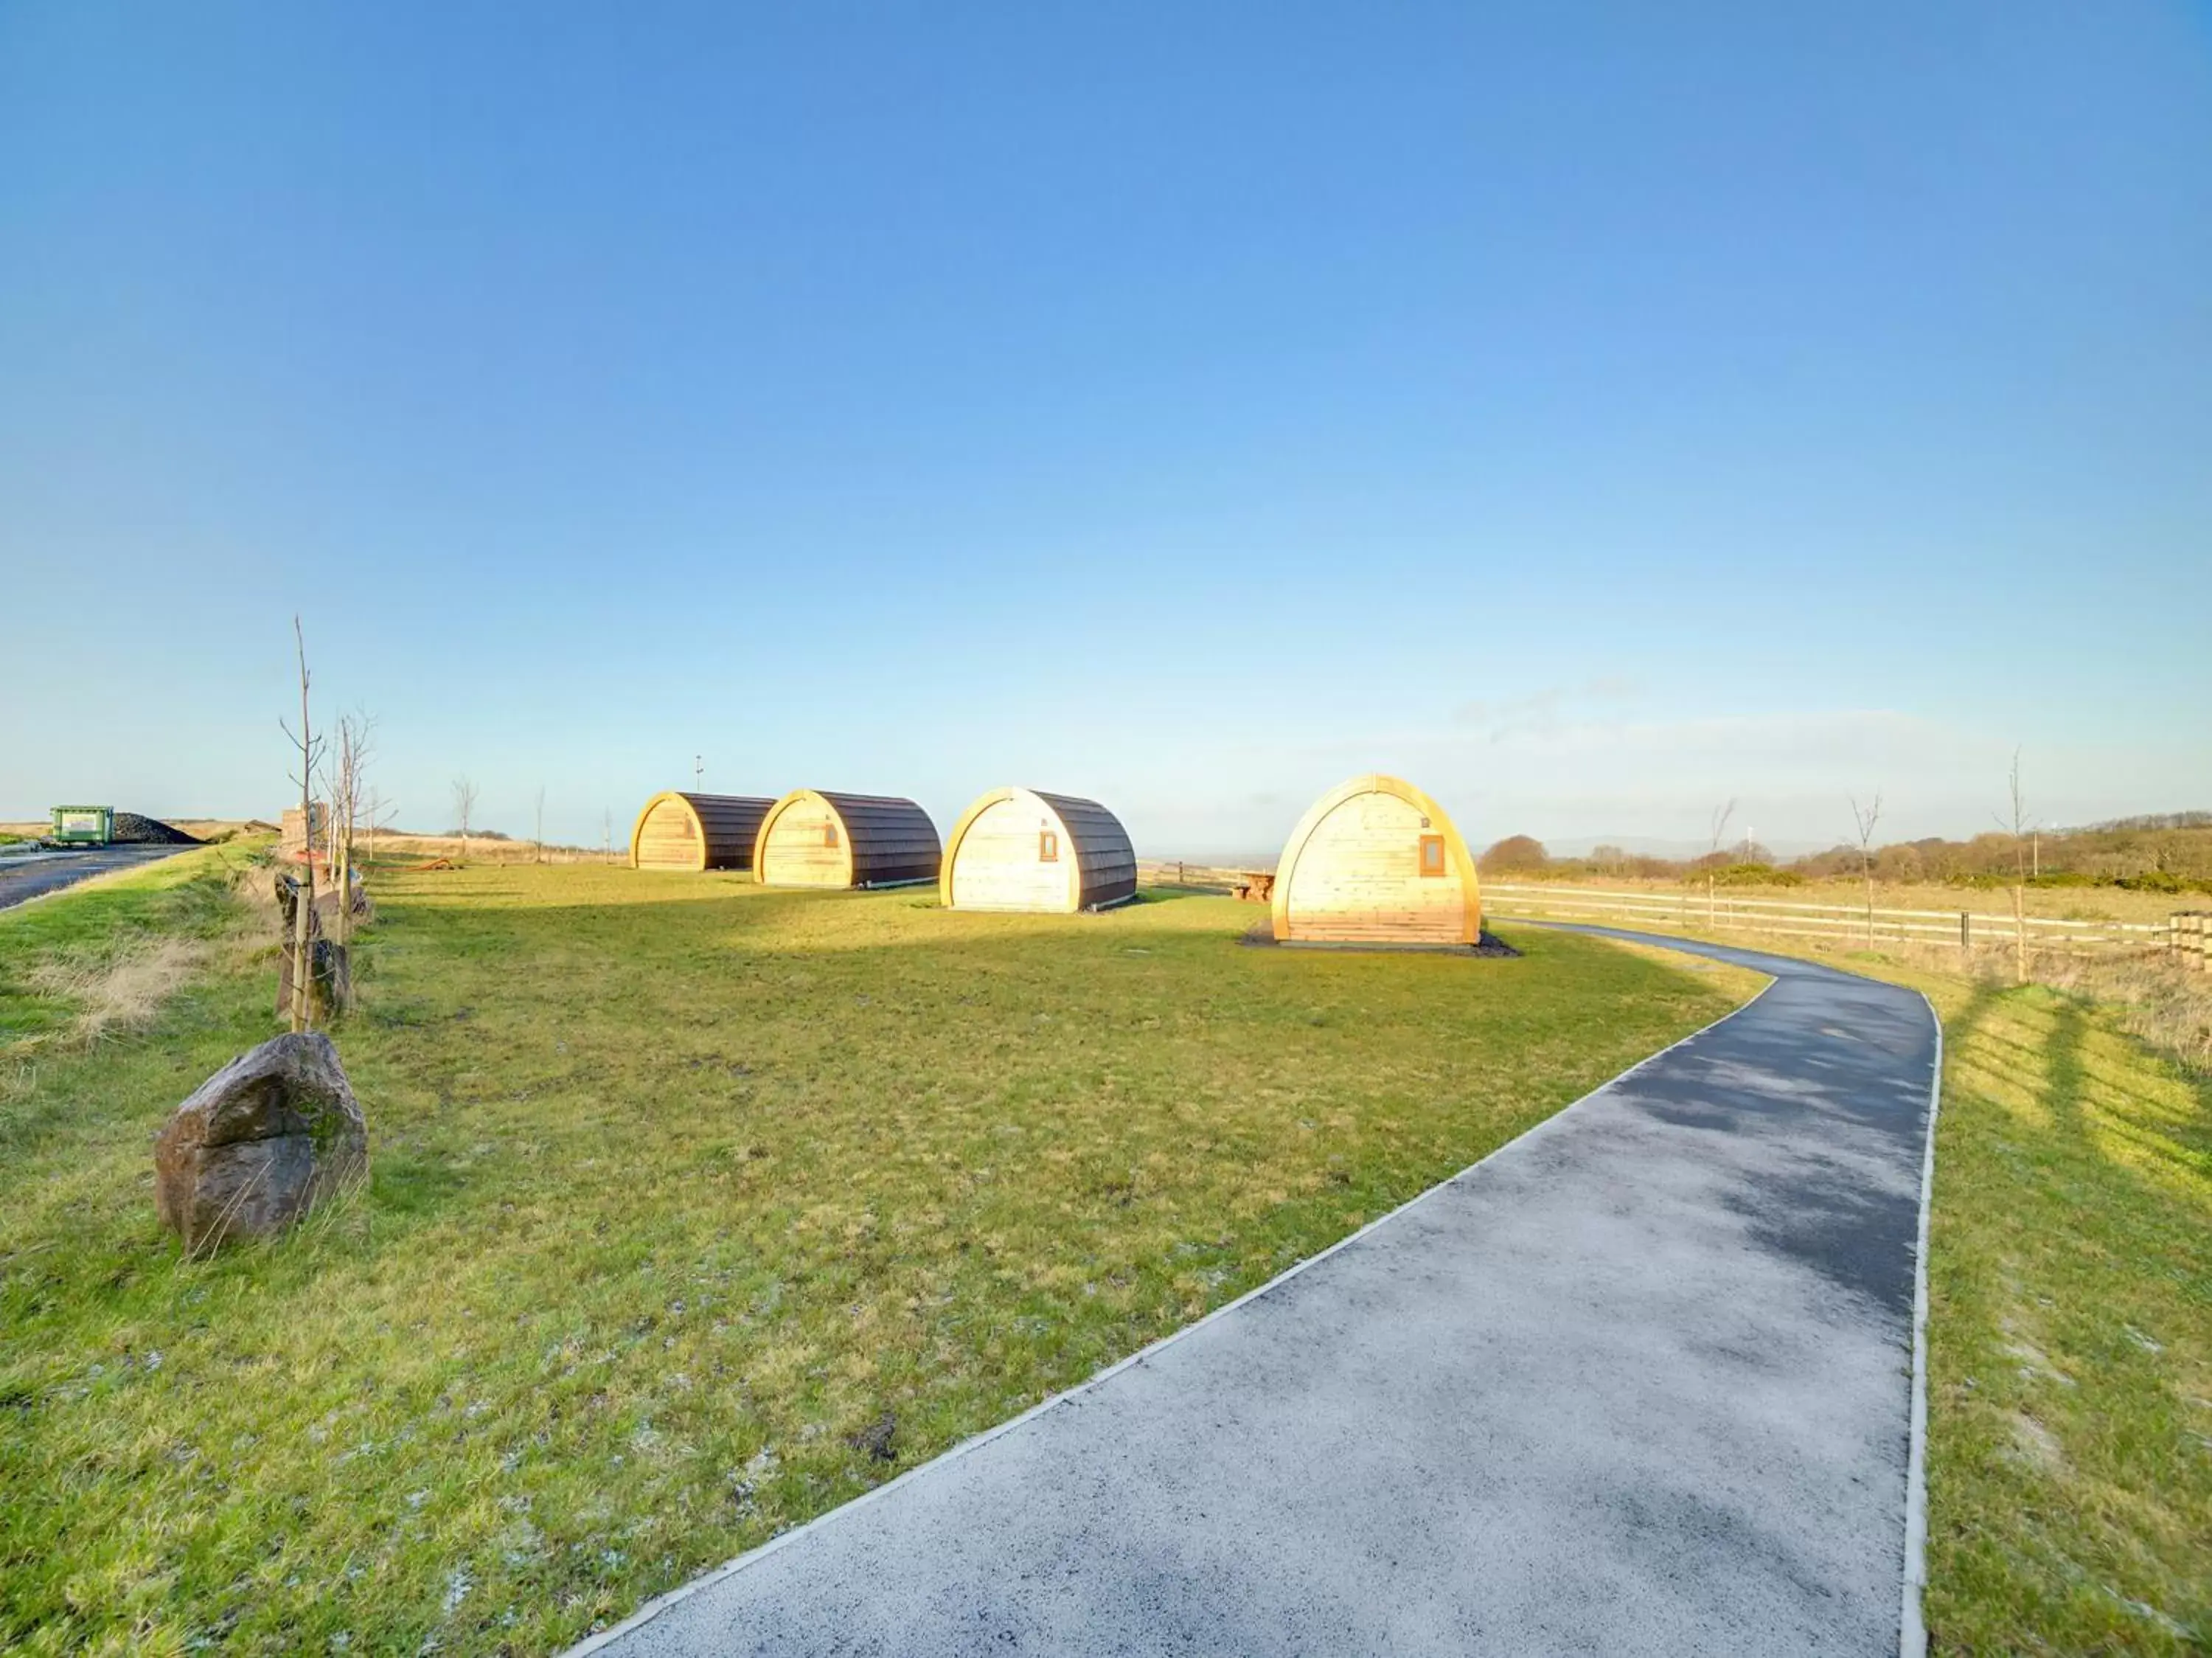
x,y
1912,1626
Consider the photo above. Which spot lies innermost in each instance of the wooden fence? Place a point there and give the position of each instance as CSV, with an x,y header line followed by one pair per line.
x,y
2192,938
2186,935
1197,877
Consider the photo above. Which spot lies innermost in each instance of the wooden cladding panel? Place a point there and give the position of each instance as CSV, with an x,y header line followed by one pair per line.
x,y
669,836
682,831
1356,876
997,864
797,852
893,839
880,841
1103,848
996,859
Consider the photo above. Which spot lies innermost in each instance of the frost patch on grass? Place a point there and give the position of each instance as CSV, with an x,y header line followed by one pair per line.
x,y
2037,1444
2034,1363
2153,1617
457,1590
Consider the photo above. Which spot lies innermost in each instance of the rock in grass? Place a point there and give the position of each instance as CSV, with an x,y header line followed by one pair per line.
x,y
259,1143
878,1439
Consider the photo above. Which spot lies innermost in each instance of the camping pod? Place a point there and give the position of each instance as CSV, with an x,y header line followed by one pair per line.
x,y
1022,848
680,830
811,838
1377,862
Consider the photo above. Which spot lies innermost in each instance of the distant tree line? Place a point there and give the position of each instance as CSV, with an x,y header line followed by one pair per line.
x,y
2170,852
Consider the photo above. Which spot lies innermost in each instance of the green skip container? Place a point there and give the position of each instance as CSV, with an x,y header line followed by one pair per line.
x,y
83,825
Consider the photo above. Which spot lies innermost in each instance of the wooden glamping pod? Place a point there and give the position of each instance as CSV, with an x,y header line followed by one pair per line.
x,y
1377,862
679,831
1021,849
811,838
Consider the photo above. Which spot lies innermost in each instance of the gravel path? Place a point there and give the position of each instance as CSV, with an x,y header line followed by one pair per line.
x,y
28,876
1640,1381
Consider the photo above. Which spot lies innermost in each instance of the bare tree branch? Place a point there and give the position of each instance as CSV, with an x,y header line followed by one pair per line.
x,y
303,915
464,806
1866,820
1721,816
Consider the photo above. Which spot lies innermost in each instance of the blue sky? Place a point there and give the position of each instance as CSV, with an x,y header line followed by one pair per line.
x,y
1591,412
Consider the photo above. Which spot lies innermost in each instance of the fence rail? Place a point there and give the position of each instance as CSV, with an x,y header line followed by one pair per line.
x,y
1200,877
2186,934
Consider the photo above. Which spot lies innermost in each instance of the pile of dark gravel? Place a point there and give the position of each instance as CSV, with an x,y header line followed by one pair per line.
x,y
132,830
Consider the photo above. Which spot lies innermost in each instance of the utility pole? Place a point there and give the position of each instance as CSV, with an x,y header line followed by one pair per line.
x,y
698,771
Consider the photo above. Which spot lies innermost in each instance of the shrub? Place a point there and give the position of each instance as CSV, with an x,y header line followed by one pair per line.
x,y
1756,874
2153,880
1515,855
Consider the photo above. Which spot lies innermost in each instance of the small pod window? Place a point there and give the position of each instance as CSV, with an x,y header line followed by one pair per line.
x,y
1432,855
829,834
1048,847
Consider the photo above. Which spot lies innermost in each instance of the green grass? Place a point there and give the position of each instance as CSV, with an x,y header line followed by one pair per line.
x,y
186,897
2070,1335
680,1188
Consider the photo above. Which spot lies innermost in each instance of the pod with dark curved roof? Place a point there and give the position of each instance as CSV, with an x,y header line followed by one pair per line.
x,y
813,838
1376,860
1022,848
682,830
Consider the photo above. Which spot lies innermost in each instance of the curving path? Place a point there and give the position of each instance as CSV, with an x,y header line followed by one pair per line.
x,y
1641,1381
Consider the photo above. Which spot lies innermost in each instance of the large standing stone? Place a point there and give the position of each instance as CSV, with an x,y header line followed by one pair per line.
x,y
259,1143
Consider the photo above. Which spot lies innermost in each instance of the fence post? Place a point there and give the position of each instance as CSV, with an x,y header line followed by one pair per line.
x,y
1965,930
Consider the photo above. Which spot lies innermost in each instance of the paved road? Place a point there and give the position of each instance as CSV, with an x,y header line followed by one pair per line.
x,y
1640,1383
24,877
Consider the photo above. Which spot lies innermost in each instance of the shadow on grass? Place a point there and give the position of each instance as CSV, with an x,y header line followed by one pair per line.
x,y
2047,1049
2072,1256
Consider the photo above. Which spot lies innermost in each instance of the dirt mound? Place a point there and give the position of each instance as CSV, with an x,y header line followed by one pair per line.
x,y
132,830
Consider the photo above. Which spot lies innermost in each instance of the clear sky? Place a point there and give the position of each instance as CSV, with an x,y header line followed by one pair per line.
x,y
1590,412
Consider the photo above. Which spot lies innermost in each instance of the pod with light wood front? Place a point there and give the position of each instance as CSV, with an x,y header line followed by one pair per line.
x,y
812,837
1377,862
1022,848
681,831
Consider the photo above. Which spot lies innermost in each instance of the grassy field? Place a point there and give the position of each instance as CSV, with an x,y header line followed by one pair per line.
x,y
2051,903
2070,1332
2048,903
697,1209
